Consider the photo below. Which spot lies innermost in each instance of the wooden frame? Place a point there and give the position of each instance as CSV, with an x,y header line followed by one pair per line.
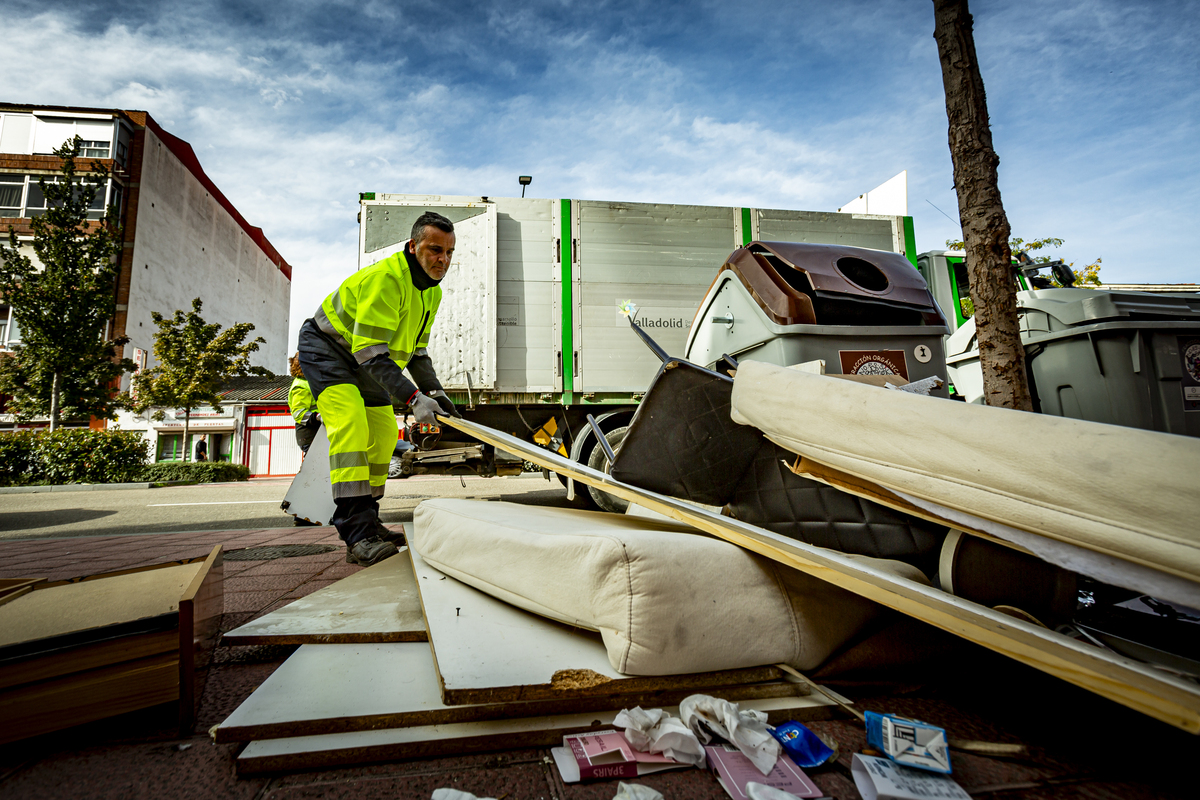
x,y
82,676
1131,683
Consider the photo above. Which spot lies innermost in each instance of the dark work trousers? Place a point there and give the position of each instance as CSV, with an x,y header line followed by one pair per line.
x,y
326,364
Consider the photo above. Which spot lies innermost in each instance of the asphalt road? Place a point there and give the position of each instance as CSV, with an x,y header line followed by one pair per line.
x,y
232,506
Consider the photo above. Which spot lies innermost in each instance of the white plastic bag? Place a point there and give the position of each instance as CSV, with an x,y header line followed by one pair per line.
x,y
655,731
745,730
635,791
761,791
446,793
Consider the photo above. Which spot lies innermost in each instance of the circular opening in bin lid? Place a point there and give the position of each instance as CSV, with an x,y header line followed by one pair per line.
x,y
863,274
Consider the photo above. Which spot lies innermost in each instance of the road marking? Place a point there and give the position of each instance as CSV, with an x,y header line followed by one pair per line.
x,y
229,503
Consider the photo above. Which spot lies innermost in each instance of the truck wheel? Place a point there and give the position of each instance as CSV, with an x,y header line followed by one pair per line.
x,y
598,460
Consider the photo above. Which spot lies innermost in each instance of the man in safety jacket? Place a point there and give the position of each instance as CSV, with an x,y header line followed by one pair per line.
x,y
303,406
353,352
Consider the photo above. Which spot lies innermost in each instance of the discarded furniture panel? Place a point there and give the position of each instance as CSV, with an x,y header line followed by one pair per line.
x,y
1137,685
78,651
376,604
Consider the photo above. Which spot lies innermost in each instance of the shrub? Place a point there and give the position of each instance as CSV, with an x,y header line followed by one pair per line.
x,y
17,459
201,472
84,456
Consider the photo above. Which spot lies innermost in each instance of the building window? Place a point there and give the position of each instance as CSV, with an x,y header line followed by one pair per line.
x,y
122,153
12,192
93,149
21,196
10,333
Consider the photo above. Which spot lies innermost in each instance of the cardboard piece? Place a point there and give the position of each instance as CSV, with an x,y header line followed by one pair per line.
x,y
377,604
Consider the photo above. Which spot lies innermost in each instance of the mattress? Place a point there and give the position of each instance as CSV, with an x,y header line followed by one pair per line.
x,y
666,599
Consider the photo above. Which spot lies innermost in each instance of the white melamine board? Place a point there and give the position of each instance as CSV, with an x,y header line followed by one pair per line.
x,y
377,604
488,651
85,605
395,686
344,749
310,497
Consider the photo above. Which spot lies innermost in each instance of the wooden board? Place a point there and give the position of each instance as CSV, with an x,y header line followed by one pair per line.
x,y
487,651
201,607
426,741
87,696
54,611
396,685
377,604
1131,683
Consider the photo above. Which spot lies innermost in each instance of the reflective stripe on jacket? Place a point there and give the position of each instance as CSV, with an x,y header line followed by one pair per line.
x,y
300,400
378,310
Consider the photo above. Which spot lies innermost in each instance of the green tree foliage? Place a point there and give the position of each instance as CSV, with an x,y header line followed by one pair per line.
x,y
65,365
195,358
1085,277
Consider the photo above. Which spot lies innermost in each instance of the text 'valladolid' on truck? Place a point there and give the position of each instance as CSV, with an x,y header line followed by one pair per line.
x,y
533,330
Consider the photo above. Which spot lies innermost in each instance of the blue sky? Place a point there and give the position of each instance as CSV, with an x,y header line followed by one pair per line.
x,y
295,107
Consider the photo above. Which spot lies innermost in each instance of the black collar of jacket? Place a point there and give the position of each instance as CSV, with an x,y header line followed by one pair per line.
x,y
420,278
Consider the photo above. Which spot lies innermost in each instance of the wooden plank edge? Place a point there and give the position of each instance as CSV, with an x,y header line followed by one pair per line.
x,y
364,637
482,743
200,608
1122,680
497,711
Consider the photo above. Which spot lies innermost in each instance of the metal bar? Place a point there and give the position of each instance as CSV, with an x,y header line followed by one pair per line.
x,y
608,451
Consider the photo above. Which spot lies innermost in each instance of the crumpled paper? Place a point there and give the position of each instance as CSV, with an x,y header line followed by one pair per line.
x,y
655,731
745,730
635,791
446,793
761,791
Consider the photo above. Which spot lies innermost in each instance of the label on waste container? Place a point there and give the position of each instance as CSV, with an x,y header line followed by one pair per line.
x,y
1189,353
874,362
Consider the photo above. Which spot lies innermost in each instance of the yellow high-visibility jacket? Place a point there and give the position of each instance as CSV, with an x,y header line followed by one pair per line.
x,y
379,310
300,400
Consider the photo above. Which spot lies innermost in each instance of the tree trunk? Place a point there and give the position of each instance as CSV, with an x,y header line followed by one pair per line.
x,y
981,213
187,448
54,394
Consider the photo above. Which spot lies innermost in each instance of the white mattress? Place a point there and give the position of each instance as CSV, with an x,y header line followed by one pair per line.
x,y
665,598
1122,492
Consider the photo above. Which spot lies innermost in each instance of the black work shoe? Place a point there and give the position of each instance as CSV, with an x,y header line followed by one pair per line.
x,y
389,535
370,551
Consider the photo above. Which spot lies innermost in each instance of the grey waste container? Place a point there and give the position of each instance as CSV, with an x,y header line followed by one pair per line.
x,y
862,312
1123,358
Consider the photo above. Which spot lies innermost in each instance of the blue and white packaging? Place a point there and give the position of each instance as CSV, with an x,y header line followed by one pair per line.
x,y
909,742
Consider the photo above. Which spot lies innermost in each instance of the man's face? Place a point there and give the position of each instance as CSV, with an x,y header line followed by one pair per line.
x,y
434,252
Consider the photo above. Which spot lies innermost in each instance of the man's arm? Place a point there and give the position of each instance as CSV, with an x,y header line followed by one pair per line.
x,y
421,368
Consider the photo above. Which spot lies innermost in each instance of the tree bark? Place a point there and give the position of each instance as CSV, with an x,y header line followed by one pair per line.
x,y
984,224
54,394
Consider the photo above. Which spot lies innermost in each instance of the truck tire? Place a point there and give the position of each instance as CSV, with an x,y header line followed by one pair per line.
x,y
598,460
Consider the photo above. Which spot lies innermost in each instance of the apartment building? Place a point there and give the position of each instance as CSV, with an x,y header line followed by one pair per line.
x,y
182,237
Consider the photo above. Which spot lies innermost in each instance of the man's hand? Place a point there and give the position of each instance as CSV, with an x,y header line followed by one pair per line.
x,y
424,408
447,405
313,421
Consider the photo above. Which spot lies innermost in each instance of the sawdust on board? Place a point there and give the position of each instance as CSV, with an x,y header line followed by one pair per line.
x,y
568,679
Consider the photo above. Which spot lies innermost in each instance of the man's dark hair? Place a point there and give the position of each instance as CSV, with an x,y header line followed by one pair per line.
x,y
430,218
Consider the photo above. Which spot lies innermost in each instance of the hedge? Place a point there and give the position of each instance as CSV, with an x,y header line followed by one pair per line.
x,y
199,472
72,456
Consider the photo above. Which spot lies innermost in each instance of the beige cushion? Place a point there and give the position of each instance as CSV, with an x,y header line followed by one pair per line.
x,y
1114,490
665,598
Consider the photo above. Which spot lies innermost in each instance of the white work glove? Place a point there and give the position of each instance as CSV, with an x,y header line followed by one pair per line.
x,y
425,408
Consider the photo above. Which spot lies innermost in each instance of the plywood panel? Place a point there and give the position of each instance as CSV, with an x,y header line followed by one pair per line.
x,y
345,749
377,604
396,685
490,652
86,605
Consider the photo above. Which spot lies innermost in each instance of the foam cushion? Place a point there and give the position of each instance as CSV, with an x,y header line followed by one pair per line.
x,y
665,598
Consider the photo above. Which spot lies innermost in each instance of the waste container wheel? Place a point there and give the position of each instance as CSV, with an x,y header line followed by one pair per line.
x,y
598,460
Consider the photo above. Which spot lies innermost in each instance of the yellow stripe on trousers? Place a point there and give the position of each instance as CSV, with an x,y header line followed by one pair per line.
x,y
361,441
